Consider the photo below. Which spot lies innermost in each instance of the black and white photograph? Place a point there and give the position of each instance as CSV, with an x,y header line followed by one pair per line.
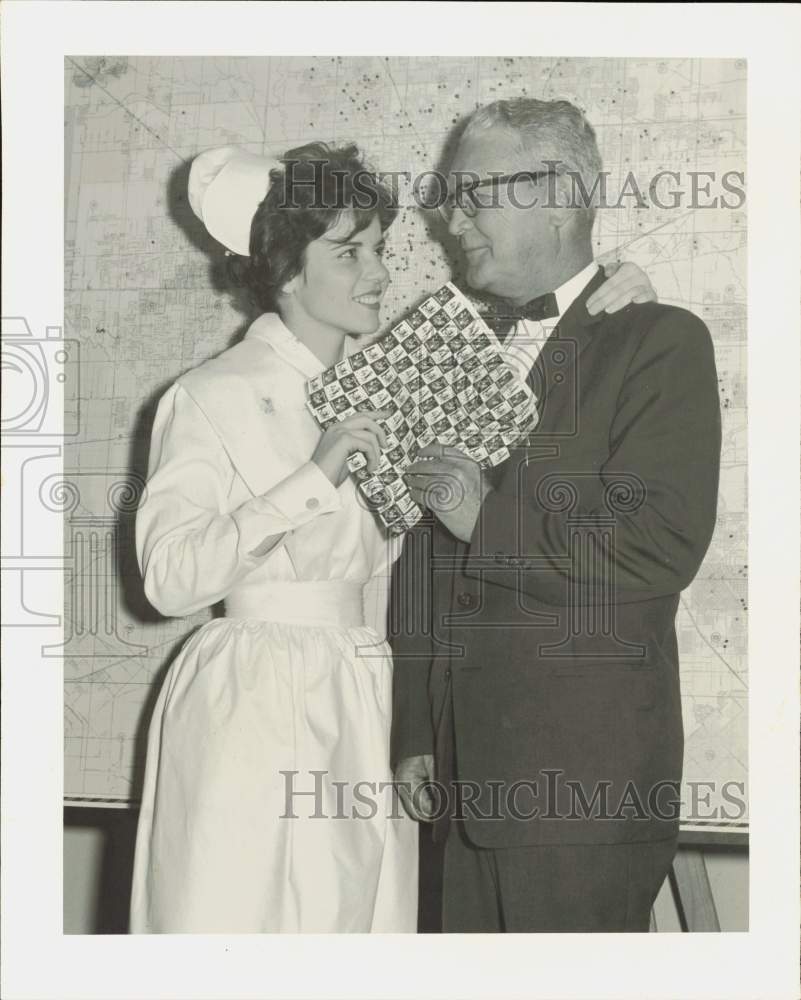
x,y
400,531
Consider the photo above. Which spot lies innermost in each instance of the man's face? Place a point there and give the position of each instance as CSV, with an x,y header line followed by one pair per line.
x,y
506,247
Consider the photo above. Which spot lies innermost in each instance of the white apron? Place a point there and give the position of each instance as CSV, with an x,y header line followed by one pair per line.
x,y
267,803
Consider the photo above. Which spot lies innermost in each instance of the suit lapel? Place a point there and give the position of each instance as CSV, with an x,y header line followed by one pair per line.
x,y
555,377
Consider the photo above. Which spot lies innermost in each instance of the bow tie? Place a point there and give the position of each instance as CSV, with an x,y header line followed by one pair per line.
x,y
503,316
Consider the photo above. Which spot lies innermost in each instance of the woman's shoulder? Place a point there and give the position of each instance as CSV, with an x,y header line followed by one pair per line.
x,y
247,360
243,358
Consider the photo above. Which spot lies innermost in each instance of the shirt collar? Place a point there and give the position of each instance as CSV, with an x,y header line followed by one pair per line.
x,y
567,293
271,329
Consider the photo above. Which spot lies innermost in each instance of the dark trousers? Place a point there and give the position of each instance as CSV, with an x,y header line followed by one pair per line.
x,y
564,888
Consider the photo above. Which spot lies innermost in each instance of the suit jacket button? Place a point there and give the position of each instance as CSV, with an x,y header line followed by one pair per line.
x,y
447,674
466,600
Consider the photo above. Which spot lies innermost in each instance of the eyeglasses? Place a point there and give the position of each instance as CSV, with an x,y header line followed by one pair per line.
x,y
466,199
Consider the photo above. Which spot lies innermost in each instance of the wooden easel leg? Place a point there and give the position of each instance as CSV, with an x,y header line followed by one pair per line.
x,y
693,893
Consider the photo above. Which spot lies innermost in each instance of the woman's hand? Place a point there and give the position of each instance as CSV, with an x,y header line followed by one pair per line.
x,y
357,432
625,283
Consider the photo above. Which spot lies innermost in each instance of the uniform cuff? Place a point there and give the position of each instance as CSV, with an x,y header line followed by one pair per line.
x,y
296,500
303,495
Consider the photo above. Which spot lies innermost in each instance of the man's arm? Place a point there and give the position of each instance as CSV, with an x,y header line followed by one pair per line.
x,y
664,445
410,636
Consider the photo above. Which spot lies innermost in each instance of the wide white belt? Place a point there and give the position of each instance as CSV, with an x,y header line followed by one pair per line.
x,y
337,603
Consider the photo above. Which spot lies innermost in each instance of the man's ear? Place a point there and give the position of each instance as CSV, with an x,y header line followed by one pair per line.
x,y
561,212
559,217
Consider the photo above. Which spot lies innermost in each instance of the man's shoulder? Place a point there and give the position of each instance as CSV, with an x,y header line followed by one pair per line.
x,y
636,319
657,326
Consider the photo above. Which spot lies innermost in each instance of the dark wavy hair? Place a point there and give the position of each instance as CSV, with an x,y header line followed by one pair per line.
x,y
306,198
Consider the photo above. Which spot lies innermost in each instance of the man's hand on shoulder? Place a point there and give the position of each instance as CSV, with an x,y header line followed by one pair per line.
x,y
412,775
450,484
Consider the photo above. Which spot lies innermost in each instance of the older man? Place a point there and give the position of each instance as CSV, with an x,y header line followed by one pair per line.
x,y
542,675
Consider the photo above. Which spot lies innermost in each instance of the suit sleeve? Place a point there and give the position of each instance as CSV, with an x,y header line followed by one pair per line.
x,y
410,636
192,546
658,484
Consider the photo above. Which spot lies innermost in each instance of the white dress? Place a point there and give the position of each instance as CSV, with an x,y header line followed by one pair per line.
x,y
267,803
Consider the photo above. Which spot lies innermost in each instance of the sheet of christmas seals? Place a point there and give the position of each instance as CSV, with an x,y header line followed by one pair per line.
x,y
441,374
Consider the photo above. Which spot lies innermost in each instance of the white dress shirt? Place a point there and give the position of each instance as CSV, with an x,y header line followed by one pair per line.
x,y
523,345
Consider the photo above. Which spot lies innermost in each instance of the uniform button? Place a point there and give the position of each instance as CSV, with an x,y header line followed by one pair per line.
x,y
312,503
466,600
447,674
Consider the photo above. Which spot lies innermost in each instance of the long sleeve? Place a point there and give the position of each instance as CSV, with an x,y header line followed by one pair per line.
x,y
412,638
659,482
192,547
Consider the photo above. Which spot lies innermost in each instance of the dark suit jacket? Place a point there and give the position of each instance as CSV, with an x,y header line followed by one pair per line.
x,y
552,633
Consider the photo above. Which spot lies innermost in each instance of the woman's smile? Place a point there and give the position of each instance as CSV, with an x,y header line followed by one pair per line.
x,y
370,299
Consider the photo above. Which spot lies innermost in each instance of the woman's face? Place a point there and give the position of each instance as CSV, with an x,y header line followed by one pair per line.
x,y
343,280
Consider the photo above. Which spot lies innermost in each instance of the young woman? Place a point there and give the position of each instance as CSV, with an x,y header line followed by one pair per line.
x,y
267,802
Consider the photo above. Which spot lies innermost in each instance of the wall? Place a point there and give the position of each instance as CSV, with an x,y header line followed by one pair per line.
x,y
144,299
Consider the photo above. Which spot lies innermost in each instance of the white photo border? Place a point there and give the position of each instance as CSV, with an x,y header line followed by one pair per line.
x,y
38,960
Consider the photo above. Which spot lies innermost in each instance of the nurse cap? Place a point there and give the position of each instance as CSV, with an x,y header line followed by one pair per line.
x,y
226,186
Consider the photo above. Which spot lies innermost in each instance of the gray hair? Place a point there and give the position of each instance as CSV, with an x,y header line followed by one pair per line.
x,y
554,131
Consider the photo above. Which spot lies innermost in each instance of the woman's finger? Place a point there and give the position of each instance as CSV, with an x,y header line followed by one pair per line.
x,y
618,303
627,280
637,284
601,299
359,422
374,415
363,422
634,291
615,273
363,440
613,297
